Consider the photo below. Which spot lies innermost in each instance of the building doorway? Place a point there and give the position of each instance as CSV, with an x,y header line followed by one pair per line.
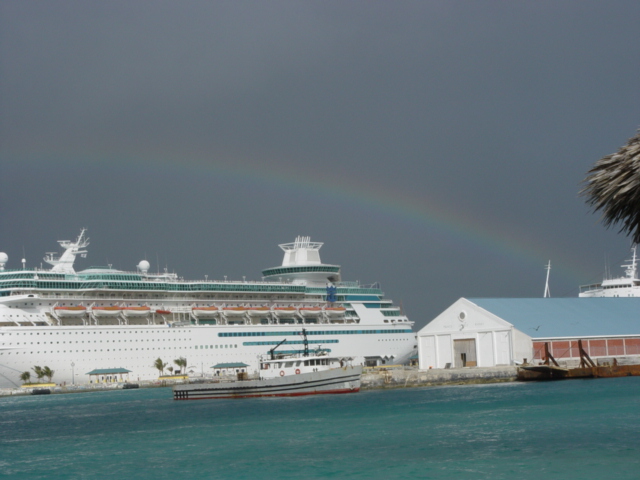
x,y
464,353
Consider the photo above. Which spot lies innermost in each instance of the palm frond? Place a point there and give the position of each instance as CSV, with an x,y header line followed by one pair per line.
x,y
612,186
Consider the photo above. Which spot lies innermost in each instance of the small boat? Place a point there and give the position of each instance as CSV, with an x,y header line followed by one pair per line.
x,y
234,311
285,310
136,311
77,311
310,311
106,311
163,312
205,312
335,311
551,370
258,311
283,376
40,391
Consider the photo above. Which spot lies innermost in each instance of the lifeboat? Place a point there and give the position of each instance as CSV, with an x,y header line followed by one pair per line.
x,y
334,312
106,311
205,312
70,311
163,312
310,311
258,311
136,311
234,311
284,311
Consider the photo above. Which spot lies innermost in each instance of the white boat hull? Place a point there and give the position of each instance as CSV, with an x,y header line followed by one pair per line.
x,y
70,313
205,313
106,313
136,313
234,313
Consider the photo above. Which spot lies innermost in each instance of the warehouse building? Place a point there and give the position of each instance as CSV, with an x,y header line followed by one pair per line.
x,y
508,331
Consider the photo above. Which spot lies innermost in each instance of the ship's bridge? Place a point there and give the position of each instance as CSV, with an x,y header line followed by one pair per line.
x,y
302,265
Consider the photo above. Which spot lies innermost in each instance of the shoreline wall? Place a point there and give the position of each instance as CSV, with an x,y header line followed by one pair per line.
x,y
405,377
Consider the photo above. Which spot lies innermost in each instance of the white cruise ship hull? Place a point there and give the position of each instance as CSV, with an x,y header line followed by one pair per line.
x,y
209,321
74,351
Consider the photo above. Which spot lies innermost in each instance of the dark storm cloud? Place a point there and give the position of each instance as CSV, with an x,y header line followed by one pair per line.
x,y
490,111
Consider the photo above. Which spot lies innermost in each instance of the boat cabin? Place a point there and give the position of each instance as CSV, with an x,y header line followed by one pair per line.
x,y
281,367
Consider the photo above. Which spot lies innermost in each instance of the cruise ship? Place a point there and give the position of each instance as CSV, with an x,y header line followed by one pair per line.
x,y
102,319
627,286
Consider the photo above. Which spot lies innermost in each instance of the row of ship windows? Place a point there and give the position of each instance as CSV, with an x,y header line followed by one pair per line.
x,y
143,301
299,352
247,344
293,342
100,333
168,287
286,270
202,347
327,332
223,334
108,350
89,341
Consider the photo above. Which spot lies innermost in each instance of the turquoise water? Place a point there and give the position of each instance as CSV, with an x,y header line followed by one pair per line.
x,y
580,429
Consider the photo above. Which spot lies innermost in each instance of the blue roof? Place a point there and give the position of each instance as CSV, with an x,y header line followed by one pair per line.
x,y
230,365
567,317
108,371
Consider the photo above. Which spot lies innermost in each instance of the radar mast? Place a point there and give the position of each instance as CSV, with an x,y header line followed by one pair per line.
x,y
64,263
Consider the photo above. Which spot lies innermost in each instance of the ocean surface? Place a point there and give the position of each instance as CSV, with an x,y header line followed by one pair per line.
x,y
578,429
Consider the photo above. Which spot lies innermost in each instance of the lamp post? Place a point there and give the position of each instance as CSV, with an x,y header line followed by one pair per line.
x,y
73,377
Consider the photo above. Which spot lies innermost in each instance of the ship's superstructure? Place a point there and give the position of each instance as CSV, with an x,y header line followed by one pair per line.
x,y
627,286
101,318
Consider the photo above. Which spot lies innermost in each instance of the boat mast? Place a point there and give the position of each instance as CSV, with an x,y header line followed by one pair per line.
x,y
631,268
306,343
64,263
547,292
271,354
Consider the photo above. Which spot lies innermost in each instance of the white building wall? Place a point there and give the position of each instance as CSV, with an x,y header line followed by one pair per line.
x,y
445,350
497,341
427,351
486,352
522,346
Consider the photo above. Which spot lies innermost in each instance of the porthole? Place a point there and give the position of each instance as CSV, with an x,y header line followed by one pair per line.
x,y
462,316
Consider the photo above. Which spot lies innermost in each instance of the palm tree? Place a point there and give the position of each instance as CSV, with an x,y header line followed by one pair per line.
x,y
25,377
160,365
182,363
48,372
613,186
170,368
39,373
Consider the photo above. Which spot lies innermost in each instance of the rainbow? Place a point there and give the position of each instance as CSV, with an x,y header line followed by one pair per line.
x,y
417,209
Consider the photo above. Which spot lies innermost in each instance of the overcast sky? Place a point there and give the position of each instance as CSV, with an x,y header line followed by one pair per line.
x,y
435,147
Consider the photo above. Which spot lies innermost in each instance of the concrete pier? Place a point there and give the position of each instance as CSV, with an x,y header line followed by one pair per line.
x,y
389,377
405,377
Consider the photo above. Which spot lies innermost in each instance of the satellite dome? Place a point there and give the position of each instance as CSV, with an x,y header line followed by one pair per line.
x,y
143,266
4,258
